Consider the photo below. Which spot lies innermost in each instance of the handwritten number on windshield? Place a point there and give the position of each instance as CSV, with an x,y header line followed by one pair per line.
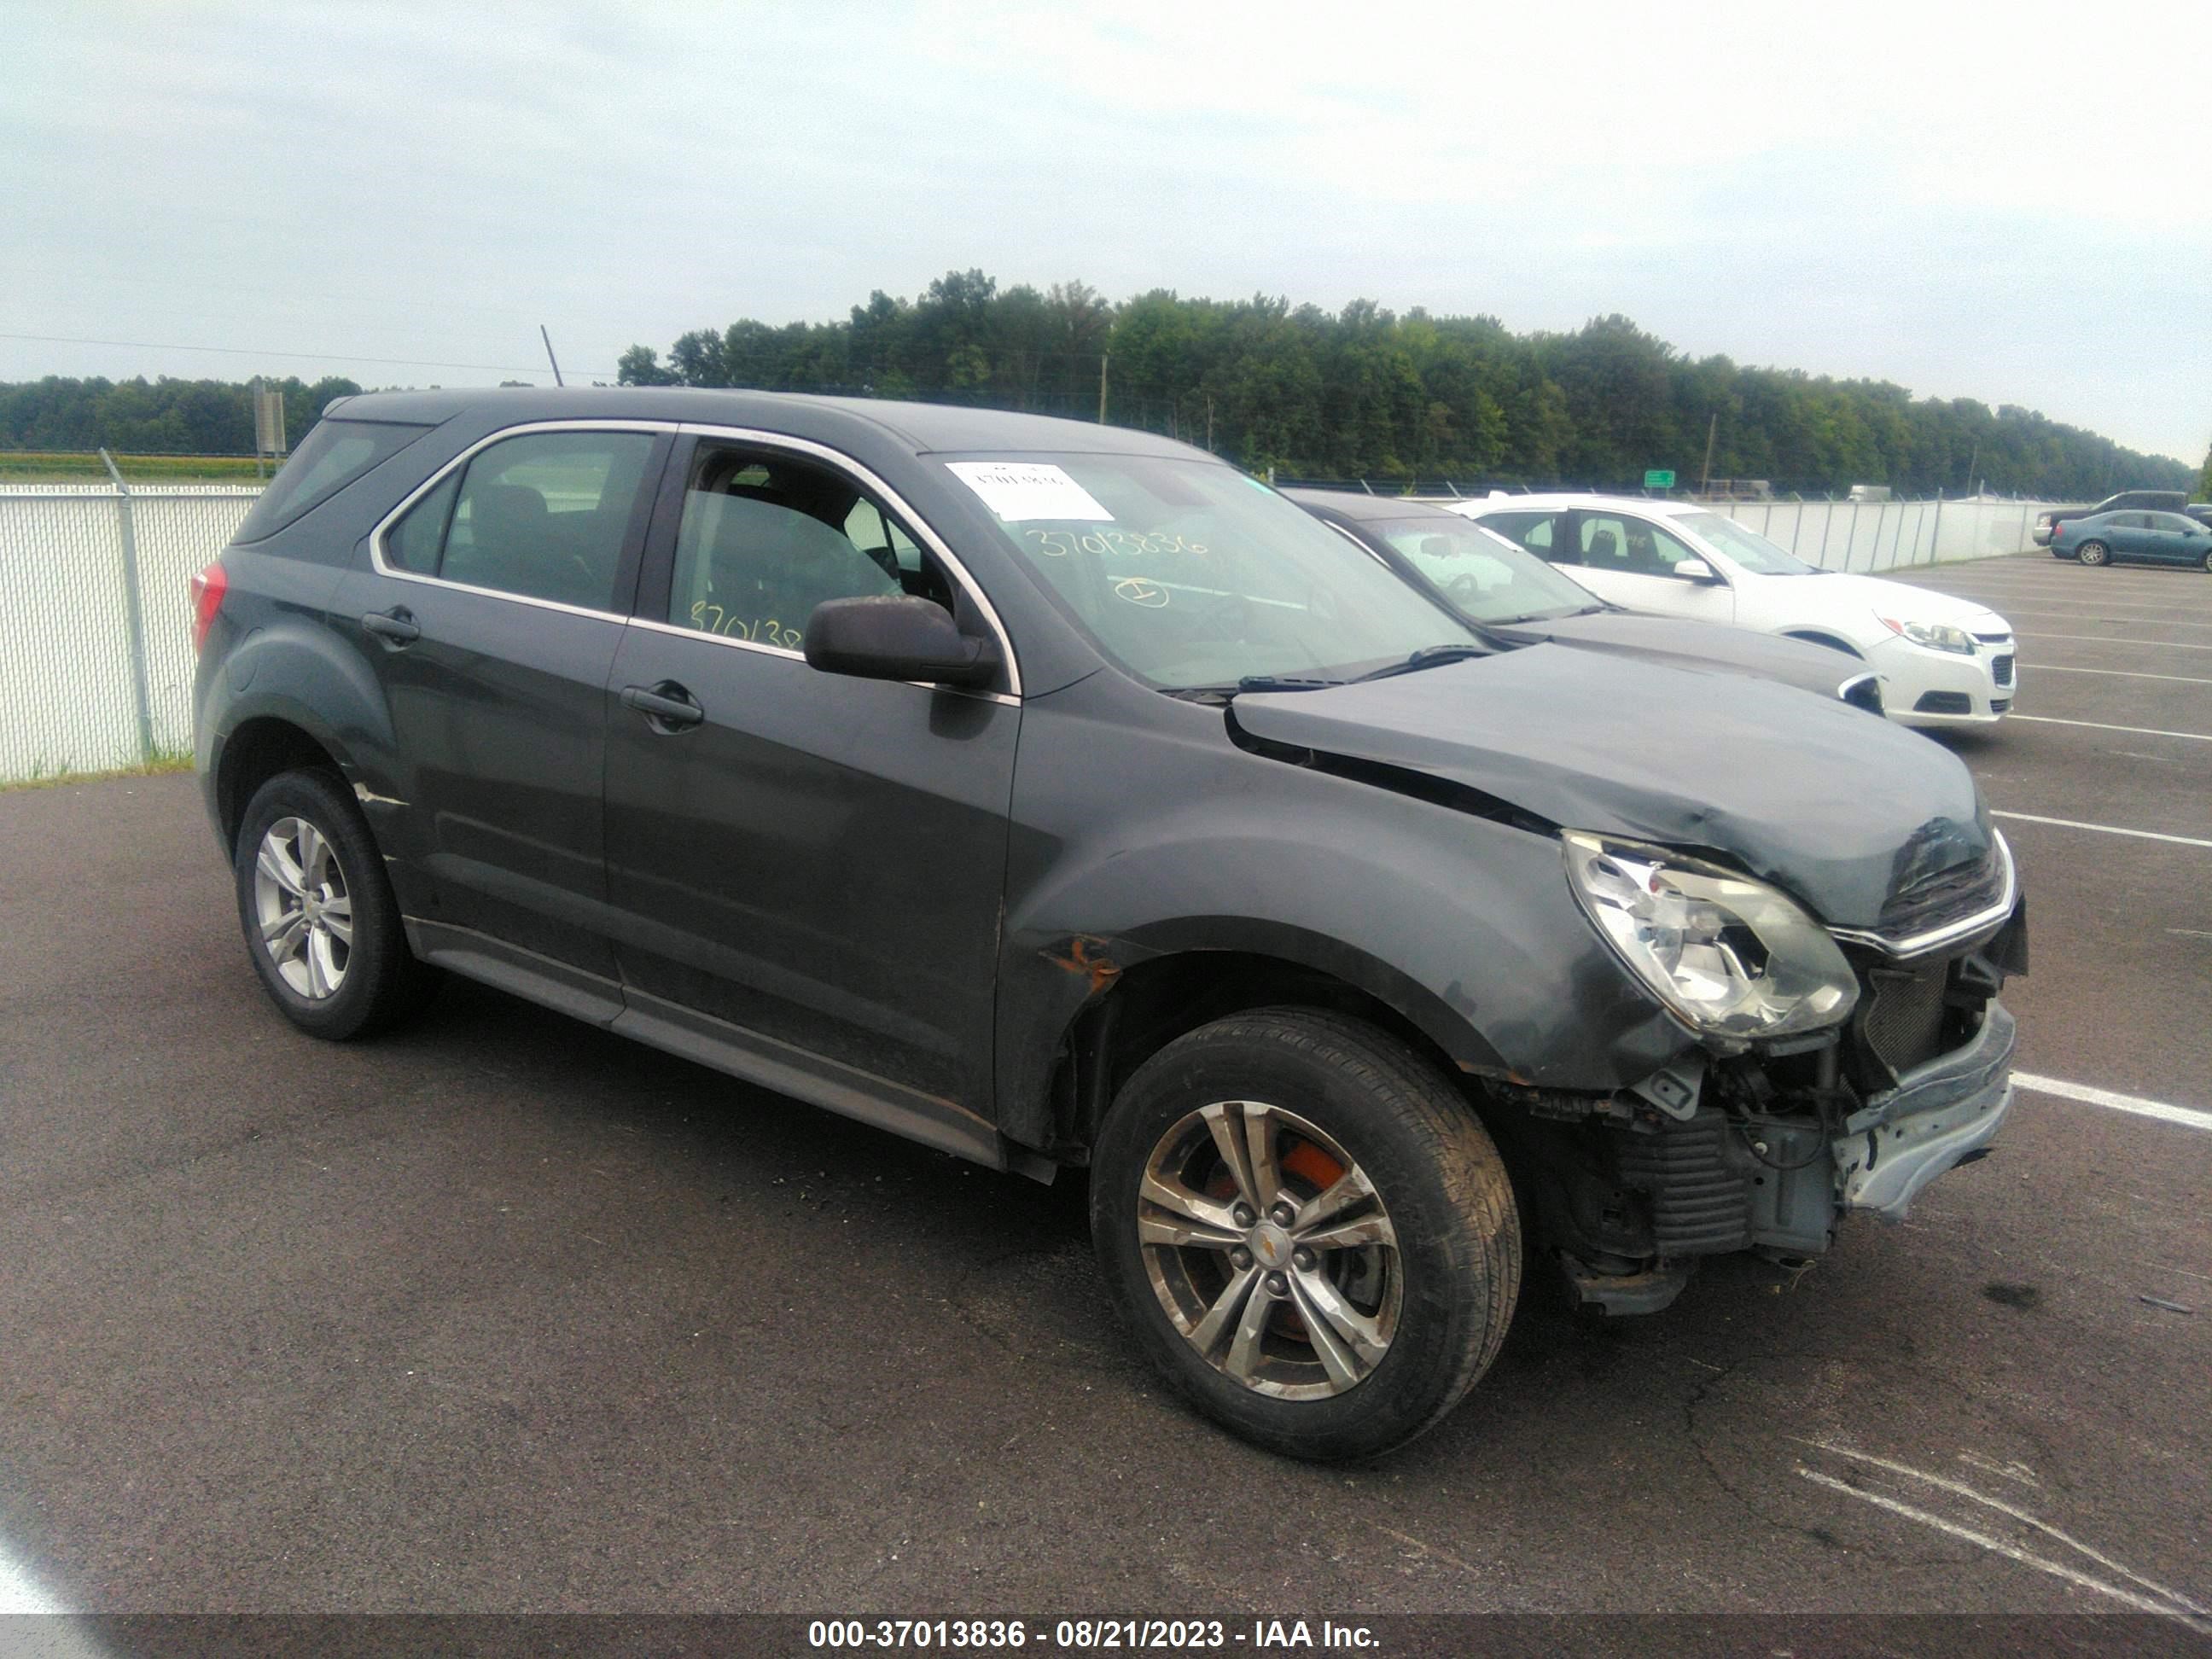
x,y
1113,544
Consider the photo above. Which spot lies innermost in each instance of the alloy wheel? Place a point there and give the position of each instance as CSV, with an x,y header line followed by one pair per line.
x,y
1270,1250
303,908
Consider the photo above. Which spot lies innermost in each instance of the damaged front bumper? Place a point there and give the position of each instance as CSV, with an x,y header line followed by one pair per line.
x,y
1940,1115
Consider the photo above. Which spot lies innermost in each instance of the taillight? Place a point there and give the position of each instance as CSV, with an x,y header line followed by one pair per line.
x,y
209,586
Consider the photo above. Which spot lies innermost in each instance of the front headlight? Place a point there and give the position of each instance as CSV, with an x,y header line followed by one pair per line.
x,y
1936,636
1731,956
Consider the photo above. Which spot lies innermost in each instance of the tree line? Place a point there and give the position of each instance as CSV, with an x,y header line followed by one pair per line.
x,y
164,417
1368,393
1363,393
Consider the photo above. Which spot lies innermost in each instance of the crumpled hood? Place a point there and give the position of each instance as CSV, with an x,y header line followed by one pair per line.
x,y
1709,648
1877,596
1809,793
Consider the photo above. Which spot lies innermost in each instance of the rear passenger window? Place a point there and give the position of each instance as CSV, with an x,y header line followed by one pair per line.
x,y
414,541
1532,529
543,516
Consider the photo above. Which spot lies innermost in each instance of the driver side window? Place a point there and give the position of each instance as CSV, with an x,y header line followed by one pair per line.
x,y
765,538
1635,546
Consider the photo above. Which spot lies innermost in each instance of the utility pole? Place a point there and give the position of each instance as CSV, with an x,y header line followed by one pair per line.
x,y
1103,358
550,357
1972,462
1712,431
1209,423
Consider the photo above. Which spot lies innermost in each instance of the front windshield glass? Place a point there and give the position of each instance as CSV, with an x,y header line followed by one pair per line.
x,y
1189,573
1480,573
1749,549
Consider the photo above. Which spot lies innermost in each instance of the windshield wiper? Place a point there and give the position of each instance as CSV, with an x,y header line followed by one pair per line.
x,y
1250,682
1544,615
1427,657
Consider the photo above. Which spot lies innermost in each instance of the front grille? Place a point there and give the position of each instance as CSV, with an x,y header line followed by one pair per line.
x,y
1998,705
1904,1021
1995,639
1944,703
1698,1205
1947,896
2001,670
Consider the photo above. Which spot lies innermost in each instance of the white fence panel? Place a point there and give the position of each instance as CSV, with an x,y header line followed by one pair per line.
x,y
1870,537
69,697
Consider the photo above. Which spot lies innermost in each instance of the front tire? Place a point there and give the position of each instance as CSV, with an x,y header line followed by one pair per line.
x,y
1307,1230
321,925
2093,553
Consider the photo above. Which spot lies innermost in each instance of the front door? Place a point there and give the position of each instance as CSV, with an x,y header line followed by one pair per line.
x,y
812,861
1631,561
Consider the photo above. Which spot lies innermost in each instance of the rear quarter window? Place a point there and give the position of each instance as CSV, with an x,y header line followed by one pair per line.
x,y
329,457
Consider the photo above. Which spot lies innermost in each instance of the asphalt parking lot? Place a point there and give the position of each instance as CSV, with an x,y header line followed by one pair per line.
x,y
506,1314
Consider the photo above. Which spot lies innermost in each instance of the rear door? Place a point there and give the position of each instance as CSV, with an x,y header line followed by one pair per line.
x,y
490,610
808,867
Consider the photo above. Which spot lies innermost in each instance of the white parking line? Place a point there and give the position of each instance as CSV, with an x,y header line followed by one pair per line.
x,y
2139,730
2146,621
1994,597
2187,1117
20,1596
2010,1551
2101,829
2114,673
2121,639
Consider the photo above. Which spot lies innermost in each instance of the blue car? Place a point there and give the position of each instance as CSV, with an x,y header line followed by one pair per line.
x,y
2148,537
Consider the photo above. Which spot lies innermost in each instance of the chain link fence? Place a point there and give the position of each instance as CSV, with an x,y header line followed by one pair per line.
x,y
95,632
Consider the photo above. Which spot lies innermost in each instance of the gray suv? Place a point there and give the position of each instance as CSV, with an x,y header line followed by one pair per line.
x,y
1061,797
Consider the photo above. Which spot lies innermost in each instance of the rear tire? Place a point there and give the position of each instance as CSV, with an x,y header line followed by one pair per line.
x,y
1341,1301
321,926
2093,553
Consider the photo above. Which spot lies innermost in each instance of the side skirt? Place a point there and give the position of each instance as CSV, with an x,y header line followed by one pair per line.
x,y
731,1049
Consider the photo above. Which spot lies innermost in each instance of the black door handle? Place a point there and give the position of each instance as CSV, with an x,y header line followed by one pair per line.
x,y
666,706
394,627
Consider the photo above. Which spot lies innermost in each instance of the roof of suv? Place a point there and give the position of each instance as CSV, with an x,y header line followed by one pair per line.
x,y
925,428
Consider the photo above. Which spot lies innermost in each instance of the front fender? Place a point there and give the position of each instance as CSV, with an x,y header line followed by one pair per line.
x,y
1463,925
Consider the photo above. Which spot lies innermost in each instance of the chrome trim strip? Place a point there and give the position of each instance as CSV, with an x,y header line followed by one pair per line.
x,y
1920,944
771,440
731,640
912,520
383,567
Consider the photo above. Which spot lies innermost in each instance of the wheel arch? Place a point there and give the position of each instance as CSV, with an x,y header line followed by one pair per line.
x,y
256,750
1138,1009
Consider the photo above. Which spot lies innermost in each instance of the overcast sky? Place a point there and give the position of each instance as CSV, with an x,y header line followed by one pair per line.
x,y
2004,202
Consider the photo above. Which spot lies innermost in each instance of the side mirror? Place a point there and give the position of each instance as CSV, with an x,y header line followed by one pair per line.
x,y
1696,570
896,638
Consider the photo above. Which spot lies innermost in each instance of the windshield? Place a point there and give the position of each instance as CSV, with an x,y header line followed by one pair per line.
x,y
1189,573
1480,573
1753,552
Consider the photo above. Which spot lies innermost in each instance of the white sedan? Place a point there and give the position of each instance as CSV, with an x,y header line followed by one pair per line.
x,y
1943,660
